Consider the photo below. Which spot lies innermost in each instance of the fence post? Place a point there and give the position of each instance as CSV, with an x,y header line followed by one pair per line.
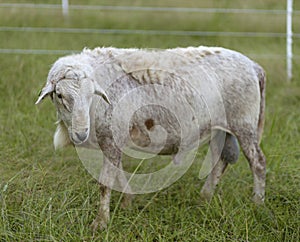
x,y
65,7
289,39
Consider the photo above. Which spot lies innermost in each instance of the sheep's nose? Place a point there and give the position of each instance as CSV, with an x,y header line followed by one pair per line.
x,y
81,136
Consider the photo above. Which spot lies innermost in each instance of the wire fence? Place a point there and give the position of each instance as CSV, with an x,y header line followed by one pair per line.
x,y
30,29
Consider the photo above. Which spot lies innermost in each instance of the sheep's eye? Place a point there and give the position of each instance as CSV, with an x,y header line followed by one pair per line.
x,y
59,96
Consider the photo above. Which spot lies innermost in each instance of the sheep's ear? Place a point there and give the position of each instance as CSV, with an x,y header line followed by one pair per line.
x,y
44,92
99,91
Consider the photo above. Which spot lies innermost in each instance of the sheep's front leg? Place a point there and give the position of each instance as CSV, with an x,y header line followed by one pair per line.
x,y
102,218
106,182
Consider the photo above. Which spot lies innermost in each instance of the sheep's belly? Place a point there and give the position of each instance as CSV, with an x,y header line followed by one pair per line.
x,y
166,140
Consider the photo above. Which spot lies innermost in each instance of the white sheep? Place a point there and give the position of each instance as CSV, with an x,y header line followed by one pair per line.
x,y
163,102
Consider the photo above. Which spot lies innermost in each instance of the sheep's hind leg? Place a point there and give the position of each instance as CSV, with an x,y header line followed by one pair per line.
x,y
212,180
230,154
257,162
125,187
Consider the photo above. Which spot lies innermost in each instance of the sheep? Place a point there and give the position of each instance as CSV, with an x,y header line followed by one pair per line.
x,y
165,102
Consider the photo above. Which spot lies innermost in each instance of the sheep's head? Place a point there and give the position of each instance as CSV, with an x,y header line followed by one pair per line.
x,y
71,85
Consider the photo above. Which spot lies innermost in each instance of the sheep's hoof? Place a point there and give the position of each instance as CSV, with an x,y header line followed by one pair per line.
x,y
98,224
126,200
258,199
205,196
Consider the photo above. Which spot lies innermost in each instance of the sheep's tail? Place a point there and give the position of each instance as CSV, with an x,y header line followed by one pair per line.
x,y
262,86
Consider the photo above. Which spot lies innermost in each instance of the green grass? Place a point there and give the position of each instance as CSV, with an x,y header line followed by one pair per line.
x,y
49,196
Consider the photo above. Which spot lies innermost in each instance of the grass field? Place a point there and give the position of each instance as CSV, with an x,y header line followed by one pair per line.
x,y
49,196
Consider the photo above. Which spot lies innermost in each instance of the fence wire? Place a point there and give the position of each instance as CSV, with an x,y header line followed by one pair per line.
x,y
67,52
139,31
143,32
147,9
